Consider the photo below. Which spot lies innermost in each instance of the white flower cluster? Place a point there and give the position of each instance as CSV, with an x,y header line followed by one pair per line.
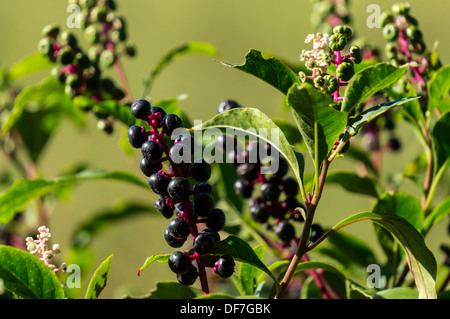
x,y
318,59
40,245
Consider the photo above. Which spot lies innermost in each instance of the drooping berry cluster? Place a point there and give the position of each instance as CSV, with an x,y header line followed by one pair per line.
x,y
328,50
192,205
326,14
272,197
81,70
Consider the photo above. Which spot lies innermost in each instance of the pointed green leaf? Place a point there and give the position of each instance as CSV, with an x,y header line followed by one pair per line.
x,y
17,197
98,281
398,293
439,212
248,273
369,81
438,87
33,63
270,70
27,276
153,258
421,260
319,124
441,140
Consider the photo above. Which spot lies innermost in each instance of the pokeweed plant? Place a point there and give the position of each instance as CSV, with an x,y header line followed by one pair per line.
x,y
225,206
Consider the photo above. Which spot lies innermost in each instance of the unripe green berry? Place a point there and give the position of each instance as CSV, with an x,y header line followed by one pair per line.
x,y
51,30
73,81
390,32
87,4
319,81
69,39
345,71
386,17
130,49
411,20
331,84
346,31
107,58
46,47
414,34
356,54
338,42
57,74
119,35
91,34
82,60
65,56
94,53
98,14
401,8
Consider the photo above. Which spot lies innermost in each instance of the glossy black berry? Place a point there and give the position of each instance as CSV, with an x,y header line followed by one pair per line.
x,y
162,207
216,220
135,136
204,243
157,109
158,183
179,262
171,122
316,232
179,188
212,232
201,170
290,186
140,109
243,189
291,202
270,191
283,167
259,214
203,205
172,241
149,168
224,266
202,188
188,278
179,228
151,151
248,172
285,231
227,105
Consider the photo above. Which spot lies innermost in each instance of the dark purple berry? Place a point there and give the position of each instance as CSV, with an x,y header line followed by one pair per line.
x,y
162,207
283,167
201,170
259,214
224,266
227,105
394,144
290,186
203,204
171,122
316,232
179,228
149,168
204,243
188,278
179,262
270,191
158,183
243,189
285,231
135,136
202,188
172,241
248,172
151,151
216,220
140,109
212,232
179,188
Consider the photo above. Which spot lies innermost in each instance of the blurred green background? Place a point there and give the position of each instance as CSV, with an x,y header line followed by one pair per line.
x,y
157,26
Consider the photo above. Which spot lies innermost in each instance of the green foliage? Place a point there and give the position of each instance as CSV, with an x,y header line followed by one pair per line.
x,y
98,281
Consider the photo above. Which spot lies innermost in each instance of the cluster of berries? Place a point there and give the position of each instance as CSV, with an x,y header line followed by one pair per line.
x,y
276,203
326,14
406,44
371,134
175,191
80,71
327,50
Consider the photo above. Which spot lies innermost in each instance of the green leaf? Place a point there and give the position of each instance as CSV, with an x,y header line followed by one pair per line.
x,y
441,140
369,81
421,260
290,131
28,65
27,276
354,183
153,258
319,124
171,290
439,212
398,293
403,205
248,273
355,123
247,121
17,197
438,87
270,70
241,251
188,48
98,281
